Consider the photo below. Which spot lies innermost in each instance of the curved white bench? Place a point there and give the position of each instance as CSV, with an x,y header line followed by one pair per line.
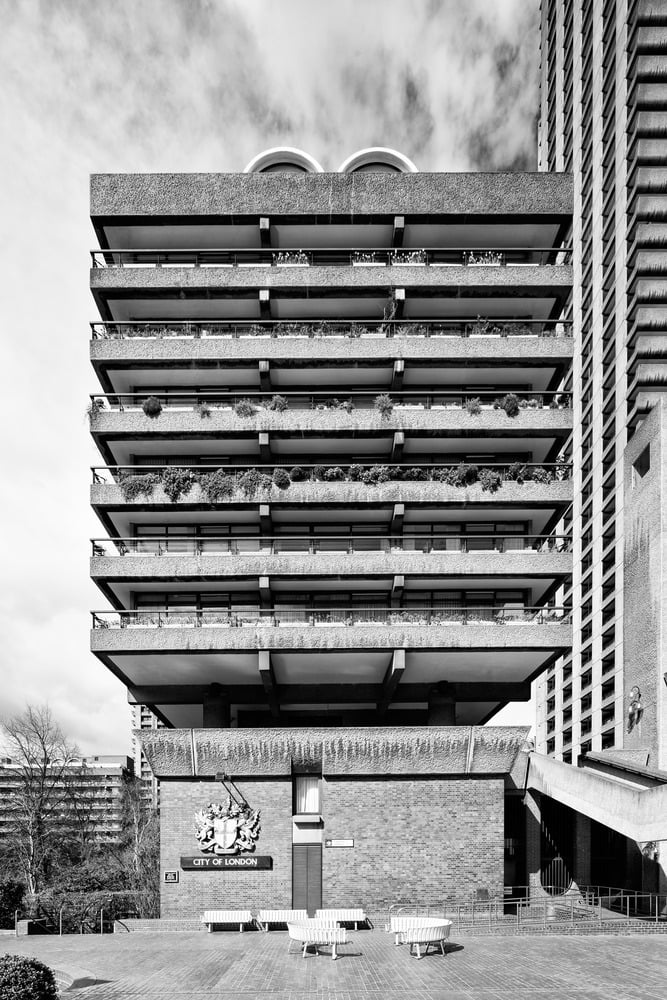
x,y
348,915
240,917
418,931
267,917
317,933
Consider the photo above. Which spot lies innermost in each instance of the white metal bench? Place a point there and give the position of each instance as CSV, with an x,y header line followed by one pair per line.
x,y
354,916
213,917
420,931
267,917
317,933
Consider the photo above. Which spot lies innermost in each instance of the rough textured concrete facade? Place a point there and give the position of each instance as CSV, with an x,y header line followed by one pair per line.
x,y
645,586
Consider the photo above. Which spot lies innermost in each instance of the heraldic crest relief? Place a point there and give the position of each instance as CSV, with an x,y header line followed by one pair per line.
x,y
227,828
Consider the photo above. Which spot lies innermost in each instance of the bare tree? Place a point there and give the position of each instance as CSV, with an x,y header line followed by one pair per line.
x,y
39,804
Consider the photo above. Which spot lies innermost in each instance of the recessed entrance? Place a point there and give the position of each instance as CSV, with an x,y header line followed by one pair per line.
x,y
307,877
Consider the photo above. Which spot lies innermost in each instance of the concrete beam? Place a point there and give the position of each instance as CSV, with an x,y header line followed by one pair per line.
x,y
264,232
265,376
391,679
265,519
397,375
264,586
268,680
264,446
397,517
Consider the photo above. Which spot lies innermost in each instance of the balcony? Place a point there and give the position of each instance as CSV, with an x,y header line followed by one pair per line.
x,y
283,557
199,414
334,628
330,330
201,485
334,257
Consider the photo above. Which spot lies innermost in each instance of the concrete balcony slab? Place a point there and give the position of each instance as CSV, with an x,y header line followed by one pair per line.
x,y
452,420
110,496
244,565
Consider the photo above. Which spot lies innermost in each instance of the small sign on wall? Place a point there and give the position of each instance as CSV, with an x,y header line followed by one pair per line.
x,y
339,843
170,878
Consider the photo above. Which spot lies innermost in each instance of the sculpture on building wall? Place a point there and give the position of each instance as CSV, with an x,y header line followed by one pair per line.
x,y
227,828
634,708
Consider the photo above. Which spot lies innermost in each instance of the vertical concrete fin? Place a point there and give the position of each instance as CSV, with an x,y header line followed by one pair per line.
x,y
193,743
471,750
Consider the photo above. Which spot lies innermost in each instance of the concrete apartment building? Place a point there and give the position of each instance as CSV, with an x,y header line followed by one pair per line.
x,y
335,477
603,94
94,784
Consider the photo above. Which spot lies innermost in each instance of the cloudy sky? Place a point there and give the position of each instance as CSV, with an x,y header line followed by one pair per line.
x,y
187,85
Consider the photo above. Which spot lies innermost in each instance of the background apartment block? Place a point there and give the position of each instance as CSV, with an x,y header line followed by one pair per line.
x,y
334,425
88,794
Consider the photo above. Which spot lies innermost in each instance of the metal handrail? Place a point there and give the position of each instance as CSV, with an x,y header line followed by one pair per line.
x,y
332,256
158,545
255,616
352,329
317,472
327,399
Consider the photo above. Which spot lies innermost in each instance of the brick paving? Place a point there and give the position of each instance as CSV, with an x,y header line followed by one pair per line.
x,y
254,966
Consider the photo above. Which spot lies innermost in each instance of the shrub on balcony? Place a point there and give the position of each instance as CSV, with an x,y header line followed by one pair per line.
x,y
281,479
334,474
152,407
203,409
253,482
297,474
517,472
244,408
384,404
376,474
532,403
354,473
176,482
415,474
490,480
473,406
277,403
560,401
134,487
291,257
217,485
319,471
94,407
26,979
459,475
540,475
509,403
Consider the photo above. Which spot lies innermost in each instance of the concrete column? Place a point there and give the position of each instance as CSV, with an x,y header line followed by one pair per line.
x,y
441,706
216,708
532,802
581,872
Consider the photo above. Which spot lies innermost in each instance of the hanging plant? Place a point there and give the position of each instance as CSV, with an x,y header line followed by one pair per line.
x,y
152,407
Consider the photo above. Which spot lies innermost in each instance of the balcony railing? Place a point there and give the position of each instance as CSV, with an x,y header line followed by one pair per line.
x,y
142,479
351,329
246,403
255,617
336,257
177,545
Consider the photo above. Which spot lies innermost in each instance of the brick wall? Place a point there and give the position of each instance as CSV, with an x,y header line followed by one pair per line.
x,y
417,839
199,891
414,839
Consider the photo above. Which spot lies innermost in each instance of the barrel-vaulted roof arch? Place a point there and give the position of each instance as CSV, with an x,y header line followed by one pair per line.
x,y
285,158
377,156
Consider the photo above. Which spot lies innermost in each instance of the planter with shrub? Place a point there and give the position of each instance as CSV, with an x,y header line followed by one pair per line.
x,y
384,404
176,482
217,485
152,407
281,479
203,409
253,482
134,487
277,403
244,408
473,406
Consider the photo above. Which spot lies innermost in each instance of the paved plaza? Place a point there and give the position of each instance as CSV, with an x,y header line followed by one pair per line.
x,y
255,966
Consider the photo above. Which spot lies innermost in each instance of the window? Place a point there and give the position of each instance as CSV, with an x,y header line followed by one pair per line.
x,y
307,794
